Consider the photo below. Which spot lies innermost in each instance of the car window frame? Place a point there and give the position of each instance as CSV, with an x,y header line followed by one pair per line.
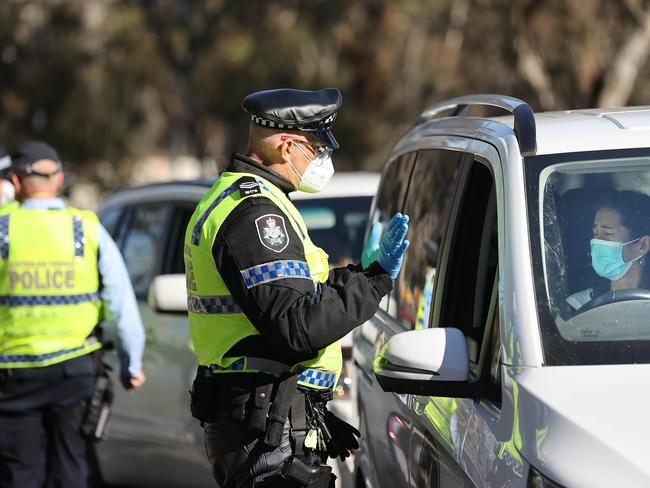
x,y
445,225
581,353
127,223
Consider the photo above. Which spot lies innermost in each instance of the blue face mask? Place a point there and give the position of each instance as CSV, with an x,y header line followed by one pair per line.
x,y
607,258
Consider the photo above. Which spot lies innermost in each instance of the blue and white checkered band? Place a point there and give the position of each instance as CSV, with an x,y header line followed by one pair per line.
x,y
79,239
29,358
198,227
319,378
238,365
212,305
275,270
4,236
271,124
35,300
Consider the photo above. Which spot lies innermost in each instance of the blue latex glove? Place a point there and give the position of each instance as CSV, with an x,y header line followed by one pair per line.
x,y
387,248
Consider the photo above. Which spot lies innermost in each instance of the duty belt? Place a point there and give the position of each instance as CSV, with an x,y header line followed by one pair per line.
x,y
309,376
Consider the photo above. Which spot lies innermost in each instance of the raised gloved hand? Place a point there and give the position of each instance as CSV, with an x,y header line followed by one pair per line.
x,y
387,248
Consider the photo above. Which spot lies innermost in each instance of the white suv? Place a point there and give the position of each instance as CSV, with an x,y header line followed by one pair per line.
x,y
152,439
516,342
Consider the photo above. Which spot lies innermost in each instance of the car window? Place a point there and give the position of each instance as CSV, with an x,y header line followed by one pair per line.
x,y
110,219
390,198
337,225
590,236
142,242
394,183
427,204
467,301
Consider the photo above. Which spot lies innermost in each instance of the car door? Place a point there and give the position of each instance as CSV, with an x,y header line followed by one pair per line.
x,y
465,298
385,427
153,438
427,202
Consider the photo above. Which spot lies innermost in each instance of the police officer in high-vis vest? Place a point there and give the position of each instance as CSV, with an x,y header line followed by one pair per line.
x,y
266,313
60,275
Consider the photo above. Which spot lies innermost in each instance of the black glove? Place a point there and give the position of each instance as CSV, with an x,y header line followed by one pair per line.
x,y
344,437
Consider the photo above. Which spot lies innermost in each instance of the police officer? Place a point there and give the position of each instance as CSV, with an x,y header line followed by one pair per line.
x,y
266,313
60,274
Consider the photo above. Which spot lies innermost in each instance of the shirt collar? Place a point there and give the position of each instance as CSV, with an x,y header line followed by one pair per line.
x,y
243,164
44,203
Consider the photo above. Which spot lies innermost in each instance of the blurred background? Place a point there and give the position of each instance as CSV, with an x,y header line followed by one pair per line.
x,y
132,91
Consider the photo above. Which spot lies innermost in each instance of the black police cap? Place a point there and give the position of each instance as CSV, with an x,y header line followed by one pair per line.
x,y
303,110
30,152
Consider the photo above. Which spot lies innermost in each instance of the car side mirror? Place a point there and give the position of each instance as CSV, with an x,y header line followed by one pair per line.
x,y
429,362
167,293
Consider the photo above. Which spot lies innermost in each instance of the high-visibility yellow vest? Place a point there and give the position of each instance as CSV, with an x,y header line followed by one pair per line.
x,y
49,282
216,321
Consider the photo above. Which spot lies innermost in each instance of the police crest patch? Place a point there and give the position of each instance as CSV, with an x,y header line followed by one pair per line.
x,y
272,232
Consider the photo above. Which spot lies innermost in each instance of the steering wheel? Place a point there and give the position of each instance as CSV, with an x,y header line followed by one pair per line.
x,y
615,296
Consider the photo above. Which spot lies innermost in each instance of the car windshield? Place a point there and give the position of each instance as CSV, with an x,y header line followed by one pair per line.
x,y
589,216
337,225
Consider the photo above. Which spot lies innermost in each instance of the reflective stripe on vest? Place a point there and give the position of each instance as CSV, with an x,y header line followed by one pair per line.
x,y
49,285
39,358
35,300
217,323
212,305
4,236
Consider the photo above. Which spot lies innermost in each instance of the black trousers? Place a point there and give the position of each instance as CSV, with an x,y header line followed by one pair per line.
x,y
41,444
240,459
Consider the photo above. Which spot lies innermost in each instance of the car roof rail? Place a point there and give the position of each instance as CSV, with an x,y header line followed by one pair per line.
x,y
524,127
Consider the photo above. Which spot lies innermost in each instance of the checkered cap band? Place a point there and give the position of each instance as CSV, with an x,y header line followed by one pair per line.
x,y
30,358
49,300
275,270
198,227
79,239
316,377
321,125
271,124
4,236
212,305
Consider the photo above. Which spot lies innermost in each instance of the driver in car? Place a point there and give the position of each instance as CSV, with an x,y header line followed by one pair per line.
x,y
621,240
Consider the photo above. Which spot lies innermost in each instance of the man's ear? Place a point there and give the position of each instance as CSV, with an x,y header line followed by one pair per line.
x,y
644,245
16,182
60,179
286,144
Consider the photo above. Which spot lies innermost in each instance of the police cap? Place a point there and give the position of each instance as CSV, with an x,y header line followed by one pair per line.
x,y
29,153
303,110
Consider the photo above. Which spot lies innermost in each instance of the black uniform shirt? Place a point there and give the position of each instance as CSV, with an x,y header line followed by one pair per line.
x,y
295,318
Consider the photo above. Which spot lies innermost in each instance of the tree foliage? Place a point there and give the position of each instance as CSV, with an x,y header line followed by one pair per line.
x,y
117,80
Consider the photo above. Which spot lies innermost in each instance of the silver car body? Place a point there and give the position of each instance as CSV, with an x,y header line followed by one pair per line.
x,y
574,425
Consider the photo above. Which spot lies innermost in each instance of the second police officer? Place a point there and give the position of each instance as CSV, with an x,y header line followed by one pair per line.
x,y
266,313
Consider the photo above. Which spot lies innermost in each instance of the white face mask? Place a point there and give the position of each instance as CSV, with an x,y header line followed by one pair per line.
x,y
7,192
319,172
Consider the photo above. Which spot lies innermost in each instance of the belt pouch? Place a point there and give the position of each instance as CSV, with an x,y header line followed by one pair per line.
x,y
259,407
279,411
204,396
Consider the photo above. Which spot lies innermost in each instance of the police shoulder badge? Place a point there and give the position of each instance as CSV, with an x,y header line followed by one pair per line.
x,y
272,232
